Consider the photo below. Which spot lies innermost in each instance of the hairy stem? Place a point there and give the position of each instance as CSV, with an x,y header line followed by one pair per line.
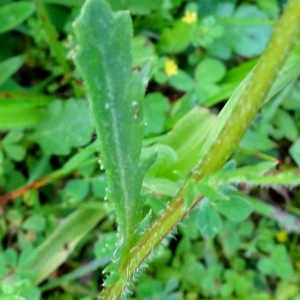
x,y
231,125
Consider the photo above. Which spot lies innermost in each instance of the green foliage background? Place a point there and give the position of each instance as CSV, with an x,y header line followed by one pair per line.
x,y
57,230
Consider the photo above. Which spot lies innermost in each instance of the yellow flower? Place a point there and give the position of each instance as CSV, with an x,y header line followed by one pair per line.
x,y
189,17
281,236
171,67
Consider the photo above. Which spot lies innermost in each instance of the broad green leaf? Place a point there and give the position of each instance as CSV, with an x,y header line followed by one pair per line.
x,y
244,38
182,81
281,262
210,70
65,125
155,108
236,208
256,140
15,13
15,152
285,124
115,95
11,257
175,39
9,66
26,257
12,137
35,222
76,189
208,220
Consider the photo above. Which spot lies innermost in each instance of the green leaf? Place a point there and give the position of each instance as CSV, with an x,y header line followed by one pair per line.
x,y
76,189
236,208
13,14
107,245
210,70
35,222
9,66
197,122
175,39
208,219
65,125
182,81
295,151
155,108
21,109
15,152
11,257
245,38
285,123
11,297
26,257
281,262
56,248
240,175
115,95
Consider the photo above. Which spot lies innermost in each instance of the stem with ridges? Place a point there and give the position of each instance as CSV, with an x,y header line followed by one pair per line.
x,y
221,146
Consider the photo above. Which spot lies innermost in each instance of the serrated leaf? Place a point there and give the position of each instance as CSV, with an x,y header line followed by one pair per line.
x,y
65,125
115,94
254,176
236,208
240,175
208,219
14,13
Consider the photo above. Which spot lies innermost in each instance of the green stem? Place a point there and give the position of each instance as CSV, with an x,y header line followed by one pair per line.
x,y
231,125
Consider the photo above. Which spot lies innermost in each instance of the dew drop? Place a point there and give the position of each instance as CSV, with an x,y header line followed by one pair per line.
x,y
106,106
134,103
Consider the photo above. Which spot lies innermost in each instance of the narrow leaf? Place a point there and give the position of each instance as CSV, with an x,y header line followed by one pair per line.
x,y
9,66
115,93
15,13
